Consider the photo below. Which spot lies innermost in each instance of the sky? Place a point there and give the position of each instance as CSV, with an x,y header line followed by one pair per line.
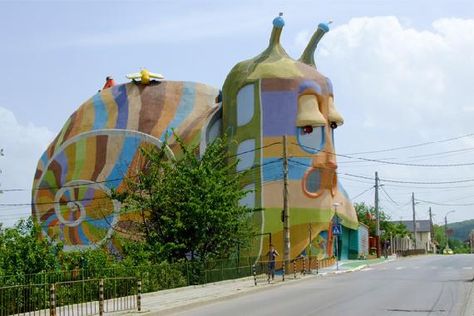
x,y
403,74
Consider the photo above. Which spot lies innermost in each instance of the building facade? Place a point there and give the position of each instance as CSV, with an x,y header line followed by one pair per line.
x,y
263,99
424,238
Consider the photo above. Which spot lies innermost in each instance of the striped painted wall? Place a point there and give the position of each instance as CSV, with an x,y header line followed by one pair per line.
x,y
98,147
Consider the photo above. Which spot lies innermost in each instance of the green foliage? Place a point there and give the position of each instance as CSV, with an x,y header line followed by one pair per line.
x,y
456,245
461,230
89,259
366,215
22,251
439,236
189,206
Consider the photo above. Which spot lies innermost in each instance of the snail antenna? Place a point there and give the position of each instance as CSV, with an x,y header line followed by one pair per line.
x,y
308,54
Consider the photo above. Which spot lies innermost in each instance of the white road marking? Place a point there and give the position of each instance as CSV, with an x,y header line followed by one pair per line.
x,y
399,268
467,268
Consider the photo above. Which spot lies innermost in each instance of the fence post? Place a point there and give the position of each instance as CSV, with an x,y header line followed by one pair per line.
x,y
283,271
52,300
294,268
304,266
317,266
101,297
222,270
139,295
269,272
187,272
254,272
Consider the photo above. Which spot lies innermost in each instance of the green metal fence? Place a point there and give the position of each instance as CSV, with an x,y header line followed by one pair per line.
x,y
77,292
19,299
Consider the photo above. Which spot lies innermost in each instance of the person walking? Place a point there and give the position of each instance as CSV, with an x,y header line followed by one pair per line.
x,y
272,254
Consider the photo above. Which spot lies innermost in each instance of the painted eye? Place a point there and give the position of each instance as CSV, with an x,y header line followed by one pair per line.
x,y
311,141
307,129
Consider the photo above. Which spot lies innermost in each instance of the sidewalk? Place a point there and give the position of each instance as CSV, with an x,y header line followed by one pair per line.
x,y
169,301
354,265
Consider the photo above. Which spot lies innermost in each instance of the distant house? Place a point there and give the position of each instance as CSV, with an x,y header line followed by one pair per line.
x,y
424,239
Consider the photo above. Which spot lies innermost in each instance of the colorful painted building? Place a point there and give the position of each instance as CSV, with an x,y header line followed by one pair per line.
x,y
262,100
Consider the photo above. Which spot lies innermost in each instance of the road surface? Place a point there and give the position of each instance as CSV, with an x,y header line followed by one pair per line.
x,y
425,285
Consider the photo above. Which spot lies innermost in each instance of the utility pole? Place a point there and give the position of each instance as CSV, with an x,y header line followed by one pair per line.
x,y
431,228
446,231
377,215
414,217
286,210
310,229
1,154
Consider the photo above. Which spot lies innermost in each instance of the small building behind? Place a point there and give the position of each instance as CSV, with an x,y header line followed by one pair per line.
x,y
424,238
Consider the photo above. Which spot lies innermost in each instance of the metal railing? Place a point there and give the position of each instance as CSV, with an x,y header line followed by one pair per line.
x,y
155,277
95,296
262,270
31,299
78,292
71,298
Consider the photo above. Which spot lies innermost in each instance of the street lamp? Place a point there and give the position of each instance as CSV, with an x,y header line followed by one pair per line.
x,y
446,228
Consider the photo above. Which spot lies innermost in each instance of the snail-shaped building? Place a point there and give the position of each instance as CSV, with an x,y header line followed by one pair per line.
x,y
262,100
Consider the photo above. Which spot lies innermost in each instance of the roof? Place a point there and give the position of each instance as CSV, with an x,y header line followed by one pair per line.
x,y
421,225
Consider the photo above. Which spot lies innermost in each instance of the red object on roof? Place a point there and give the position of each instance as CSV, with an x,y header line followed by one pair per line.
x,y
109,82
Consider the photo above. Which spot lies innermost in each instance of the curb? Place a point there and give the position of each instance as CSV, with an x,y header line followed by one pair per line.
x,y
246,291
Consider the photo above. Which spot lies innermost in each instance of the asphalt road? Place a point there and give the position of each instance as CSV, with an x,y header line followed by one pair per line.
x,y
425,285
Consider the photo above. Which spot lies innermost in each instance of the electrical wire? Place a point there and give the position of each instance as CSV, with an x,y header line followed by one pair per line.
x,y
119,178
411,182
254,168
405,164
412,146
388,196
392,180
444,204
362,193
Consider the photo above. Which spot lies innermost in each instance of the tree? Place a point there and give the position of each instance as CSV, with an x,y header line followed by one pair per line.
x,y
189,206
440,237
23,252
367,215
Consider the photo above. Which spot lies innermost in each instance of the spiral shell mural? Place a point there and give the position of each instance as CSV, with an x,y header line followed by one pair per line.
x,y
98,147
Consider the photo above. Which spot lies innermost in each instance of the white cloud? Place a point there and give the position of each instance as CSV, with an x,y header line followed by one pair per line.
x,y
396,85
23,145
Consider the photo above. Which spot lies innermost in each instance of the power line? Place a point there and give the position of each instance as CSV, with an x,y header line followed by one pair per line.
x,y
362,193
119,178
252,169
392,180
405,164
445,204
253,150
443,153
411,182
413,146
417,157
389,197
